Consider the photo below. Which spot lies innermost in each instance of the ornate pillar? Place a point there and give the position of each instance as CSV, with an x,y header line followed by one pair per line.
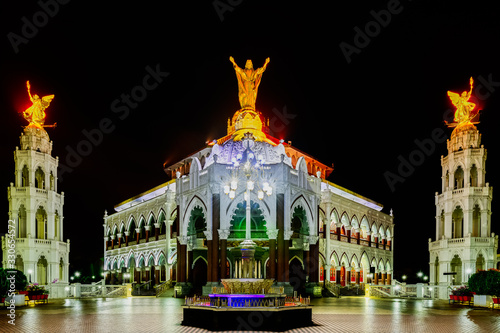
x,y
138,234
208,235
157,230
286,254
280,224
223,235
358,272
272,235
181,258
120,235
313,259
148,229
190,245
215,237
126,237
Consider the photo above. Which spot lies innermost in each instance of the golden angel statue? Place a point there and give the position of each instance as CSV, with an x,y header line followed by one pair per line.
x,y
248,82
35,114
464,112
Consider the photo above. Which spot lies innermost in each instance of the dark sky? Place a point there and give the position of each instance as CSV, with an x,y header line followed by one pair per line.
x,y
362,112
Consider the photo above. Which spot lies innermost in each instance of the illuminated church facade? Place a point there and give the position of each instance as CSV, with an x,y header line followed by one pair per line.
x,y
307,231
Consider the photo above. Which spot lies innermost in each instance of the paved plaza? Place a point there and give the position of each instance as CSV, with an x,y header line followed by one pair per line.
x,y
349,314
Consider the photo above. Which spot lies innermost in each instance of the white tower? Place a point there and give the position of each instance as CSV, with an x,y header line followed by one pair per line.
x,y
464,242
37,209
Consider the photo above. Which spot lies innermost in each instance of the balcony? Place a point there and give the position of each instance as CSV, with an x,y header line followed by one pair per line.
x,y
462,242
362,242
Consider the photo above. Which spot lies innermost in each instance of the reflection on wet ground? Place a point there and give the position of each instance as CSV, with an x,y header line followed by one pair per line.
x,y
348,314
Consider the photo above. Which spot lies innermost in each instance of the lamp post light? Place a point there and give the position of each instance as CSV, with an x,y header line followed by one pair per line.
x,y
404,278
420,274
468,271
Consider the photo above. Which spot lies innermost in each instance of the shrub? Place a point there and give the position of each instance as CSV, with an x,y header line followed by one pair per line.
x,y
21,282
486,282
462,291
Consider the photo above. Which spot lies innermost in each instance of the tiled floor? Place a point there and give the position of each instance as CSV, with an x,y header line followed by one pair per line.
x,y
330,315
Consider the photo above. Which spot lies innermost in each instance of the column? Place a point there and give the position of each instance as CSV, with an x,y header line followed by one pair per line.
x,y
120,235
337,275
215,237
348,276
326,227
272,235
358,272
148,229
280,224
126,237
223,235
190,260
157,230
313,259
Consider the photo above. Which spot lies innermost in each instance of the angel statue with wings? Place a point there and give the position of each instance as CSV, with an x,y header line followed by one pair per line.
x,y
464,109
35,114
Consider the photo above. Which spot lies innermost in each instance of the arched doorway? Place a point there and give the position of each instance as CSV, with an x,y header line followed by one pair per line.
x,y
42,270
342,276
297,276
199,275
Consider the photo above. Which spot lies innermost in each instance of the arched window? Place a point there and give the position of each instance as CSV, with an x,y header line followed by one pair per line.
x,y
25,177
476,221
41,223
132,232
161,221
473,176
21,229
52,180
459,178
457,223
39,178
56,225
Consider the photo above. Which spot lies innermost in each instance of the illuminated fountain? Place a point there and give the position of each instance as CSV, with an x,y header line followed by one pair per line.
x,y
248,302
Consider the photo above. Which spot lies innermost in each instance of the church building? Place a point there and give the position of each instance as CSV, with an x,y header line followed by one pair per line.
x,y
306,231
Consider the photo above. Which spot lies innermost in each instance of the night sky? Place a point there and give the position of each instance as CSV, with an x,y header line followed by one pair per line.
x,y
354,84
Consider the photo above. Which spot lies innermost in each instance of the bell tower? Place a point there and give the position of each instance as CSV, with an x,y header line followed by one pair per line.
x,y
463,243
35,206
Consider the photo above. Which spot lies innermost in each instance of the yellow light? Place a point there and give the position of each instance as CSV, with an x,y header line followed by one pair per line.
x,y
260,195
226,189
250,185
232,194
234,185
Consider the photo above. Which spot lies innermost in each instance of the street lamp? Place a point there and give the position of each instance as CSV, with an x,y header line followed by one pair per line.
x,y
420,274
403,277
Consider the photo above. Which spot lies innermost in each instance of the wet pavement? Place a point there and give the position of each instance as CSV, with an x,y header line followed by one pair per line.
x,y
348,314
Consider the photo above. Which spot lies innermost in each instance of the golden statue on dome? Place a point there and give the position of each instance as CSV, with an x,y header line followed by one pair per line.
x,y
35,114
465,112
248,82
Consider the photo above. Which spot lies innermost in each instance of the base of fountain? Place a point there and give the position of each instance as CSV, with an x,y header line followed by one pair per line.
x,y
247,319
